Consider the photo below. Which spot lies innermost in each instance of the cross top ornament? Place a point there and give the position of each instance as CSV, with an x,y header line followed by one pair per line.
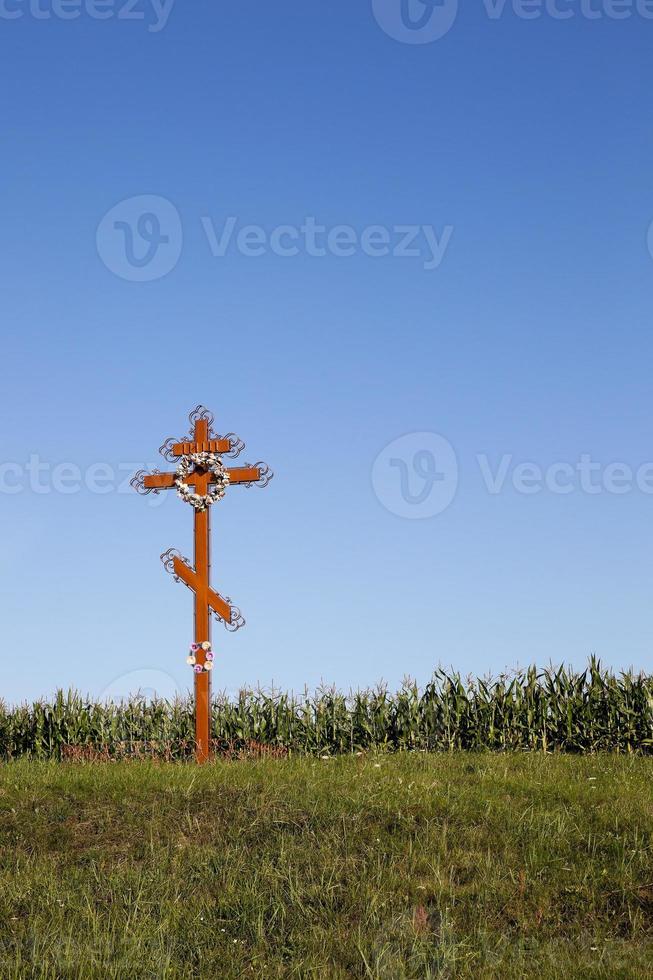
x,y
201,479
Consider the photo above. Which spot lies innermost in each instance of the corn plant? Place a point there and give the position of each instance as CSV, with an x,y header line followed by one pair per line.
x,y
547,710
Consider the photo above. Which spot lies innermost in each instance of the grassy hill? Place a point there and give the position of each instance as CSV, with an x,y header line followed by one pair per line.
x,y
376,866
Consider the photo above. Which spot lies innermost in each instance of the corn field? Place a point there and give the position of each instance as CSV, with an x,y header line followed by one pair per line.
x,y
550,710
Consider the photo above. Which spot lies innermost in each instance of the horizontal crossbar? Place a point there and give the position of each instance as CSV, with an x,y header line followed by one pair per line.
x,y
237,474
210,446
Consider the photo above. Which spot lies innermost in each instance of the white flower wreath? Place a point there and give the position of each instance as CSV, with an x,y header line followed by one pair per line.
x,y
206,461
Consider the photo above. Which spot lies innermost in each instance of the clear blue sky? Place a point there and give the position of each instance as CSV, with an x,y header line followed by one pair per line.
x,y
525,146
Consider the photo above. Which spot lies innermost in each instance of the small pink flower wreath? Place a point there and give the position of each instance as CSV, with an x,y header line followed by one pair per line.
x,y
191,659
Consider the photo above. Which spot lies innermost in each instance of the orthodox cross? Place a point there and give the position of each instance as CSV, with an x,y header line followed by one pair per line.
x,y
201,479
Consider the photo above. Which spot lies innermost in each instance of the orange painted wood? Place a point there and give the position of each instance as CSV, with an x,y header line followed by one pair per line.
x,y
237,474
202,717
198,578
222,608
160,481
202,610
205,446
189,577
185,573
244,474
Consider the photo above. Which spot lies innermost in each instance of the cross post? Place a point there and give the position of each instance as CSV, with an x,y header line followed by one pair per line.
x,y
198,486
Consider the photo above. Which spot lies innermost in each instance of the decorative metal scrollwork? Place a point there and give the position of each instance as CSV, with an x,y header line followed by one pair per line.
x,y
200,414
137,482
166,449
168,559
265,474
237,618
237,445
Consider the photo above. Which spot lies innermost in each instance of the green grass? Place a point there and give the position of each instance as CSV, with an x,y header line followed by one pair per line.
x,y
378,866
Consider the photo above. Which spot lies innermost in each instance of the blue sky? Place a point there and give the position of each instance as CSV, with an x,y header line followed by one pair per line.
x,y
396,396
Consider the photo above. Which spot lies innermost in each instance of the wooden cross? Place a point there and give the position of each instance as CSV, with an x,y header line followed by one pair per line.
x,y
198,578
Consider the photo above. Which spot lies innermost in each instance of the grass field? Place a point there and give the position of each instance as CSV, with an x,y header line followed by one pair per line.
x,y
384,866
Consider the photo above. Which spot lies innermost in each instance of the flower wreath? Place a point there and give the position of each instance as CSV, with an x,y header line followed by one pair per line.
x,y
207,461
192,657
